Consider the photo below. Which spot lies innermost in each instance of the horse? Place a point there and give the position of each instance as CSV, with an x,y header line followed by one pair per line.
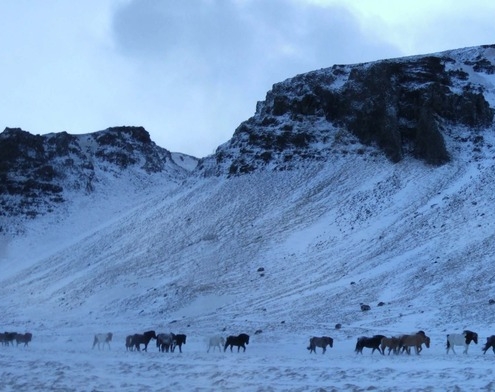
x,y
8,338
179,340
23,338
374,343
102,338
490,342
216,341
416,340
322,342
165,341
138,339
461,339
391,343
239,341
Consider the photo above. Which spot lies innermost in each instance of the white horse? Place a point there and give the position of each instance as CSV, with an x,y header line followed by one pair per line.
x,y
216,341
461,339
102,338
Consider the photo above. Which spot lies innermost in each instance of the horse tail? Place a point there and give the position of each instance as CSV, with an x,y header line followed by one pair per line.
x,y
357,346
448,342
312,346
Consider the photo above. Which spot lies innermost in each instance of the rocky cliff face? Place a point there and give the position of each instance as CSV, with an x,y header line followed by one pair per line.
x,y
36,172
401,107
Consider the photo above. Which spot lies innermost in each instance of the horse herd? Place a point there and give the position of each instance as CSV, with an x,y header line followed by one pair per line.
x,y
8,338
170,341
404,343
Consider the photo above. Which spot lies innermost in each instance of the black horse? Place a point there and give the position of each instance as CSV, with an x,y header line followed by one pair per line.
x,y
322,342
23,338
179,340
239,341
374,343
490,342
8,338
138,339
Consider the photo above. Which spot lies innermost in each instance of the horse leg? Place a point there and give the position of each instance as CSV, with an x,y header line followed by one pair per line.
x,y
324,349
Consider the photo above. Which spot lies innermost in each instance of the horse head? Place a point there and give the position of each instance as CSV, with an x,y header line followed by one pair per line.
x,y
245,337
150,334
471,337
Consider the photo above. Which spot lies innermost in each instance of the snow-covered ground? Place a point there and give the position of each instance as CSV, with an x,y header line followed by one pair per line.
x,y
61,362
288,253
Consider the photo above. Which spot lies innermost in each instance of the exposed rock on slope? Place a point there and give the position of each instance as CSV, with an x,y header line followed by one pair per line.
x,y
36,171
402,106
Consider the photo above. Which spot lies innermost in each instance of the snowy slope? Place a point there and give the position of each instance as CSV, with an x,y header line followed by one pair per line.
x,y
290,253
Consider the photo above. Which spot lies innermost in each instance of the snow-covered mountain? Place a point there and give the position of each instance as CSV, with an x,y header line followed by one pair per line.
x,y
41,174
360,184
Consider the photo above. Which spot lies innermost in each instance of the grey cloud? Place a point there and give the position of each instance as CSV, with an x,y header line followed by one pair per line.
x,y
220,57
229,36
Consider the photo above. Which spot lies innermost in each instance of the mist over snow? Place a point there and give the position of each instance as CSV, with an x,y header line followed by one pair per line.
x,y
287,248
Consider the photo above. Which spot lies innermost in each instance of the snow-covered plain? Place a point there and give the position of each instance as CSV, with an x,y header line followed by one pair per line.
x,y
287,254
187,259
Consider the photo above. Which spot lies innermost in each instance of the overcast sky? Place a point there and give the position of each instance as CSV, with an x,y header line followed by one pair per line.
x,y
190,71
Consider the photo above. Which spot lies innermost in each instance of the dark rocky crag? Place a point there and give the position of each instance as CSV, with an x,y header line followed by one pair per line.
x,y
37,170
402,107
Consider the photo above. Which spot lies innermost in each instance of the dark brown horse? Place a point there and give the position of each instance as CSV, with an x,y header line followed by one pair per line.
x,y
373,342
138,339
322,342
7,338
179,340
490,342
23,338
239,341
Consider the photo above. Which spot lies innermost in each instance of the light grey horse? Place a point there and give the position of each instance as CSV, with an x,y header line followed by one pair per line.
x,y
216,341
102,339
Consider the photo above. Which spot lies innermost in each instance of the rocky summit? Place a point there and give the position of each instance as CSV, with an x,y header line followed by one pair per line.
x,y
38,172
402,107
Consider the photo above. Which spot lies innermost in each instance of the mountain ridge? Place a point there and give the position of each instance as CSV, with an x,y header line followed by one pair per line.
x,y
293,245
